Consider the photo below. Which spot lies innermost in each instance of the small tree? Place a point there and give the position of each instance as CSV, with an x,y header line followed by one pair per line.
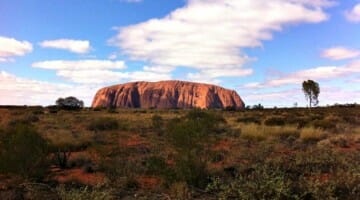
x,y
190,136
311,90
69,103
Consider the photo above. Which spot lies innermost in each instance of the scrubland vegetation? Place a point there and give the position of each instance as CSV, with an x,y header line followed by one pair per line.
x,y
46,153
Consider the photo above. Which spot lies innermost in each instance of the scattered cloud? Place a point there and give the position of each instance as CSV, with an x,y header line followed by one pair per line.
x,y
80,65
101,71
84,71
146,76
75,46
112,56
158,69
318,73
210,35
340,53
21,91
354,14
202,78
108,76
10,47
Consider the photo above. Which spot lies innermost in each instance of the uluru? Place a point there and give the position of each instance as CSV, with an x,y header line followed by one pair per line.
x,y
167,95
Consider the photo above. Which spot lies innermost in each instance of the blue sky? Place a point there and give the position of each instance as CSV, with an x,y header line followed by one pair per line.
x,y
261,49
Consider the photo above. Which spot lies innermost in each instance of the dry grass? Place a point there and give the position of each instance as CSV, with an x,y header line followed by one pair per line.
x,y
253,132
261,132
310,134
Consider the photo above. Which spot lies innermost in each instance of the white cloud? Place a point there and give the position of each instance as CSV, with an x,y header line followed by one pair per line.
x,y
80,65
318,73
75,46
84,71
354,14
210,34
10,47
21,91
102,71
146,76
108,76
201,78
340,53
158,69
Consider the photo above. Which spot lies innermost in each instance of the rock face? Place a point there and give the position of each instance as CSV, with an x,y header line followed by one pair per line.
x,y
167,94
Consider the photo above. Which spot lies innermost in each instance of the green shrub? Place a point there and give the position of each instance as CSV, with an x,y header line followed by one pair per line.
x,y
157,123
103,124
192,169
27,119
259,183
275,121
188,136
317,160
24,152
157,166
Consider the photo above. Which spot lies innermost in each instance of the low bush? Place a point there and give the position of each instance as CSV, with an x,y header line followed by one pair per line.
x,y
157,166
23,152
31,118
103,124
340,141
259,183
112,111
325,124
249,119
275,121
27,119
157,123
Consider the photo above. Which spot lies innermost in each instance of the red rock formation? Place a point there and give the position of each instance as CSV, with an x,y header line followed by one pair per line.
x,y
167,94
